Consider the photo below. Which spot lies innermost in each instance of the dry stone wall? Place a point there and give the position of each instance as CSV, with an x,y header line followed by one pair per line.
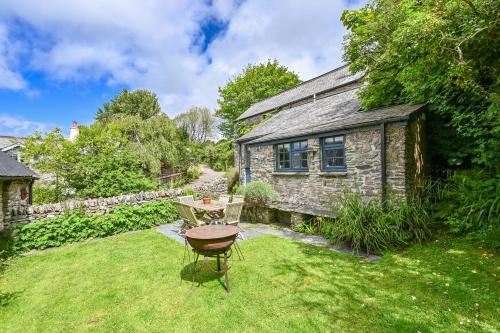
x,y
24,214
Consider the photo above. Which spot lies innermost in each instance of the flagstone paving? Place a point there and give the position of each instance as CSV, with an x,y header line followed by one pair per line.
x,y
252,230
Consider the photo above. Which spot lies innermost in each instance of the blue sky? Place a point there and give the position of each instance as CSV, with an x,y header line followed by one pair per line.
x,y
61,59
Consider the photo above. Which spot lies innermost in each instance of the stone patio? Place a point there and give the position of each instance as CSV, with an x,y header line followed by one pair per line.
x,y
252,230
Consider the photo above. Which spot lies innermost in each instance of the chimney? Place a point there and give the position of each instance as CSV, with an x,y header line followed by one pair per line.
x,y
73,131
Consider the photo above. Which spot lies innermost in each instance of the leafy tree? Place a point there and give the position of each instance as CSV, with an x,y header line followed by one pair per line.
x,y
221,155
198,123
157,142
42,152
100,165
255,83
141,103
441,52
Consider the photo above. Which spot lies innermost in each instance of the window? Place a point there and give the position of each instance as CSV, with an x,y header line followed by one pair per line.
x,y
333,153
292,156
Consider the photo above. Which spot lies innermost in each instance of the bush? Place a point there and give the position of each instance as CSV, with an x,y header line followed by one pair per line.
x,y
76,225
193,172
257,193
370,227
469,202
221,155
47,194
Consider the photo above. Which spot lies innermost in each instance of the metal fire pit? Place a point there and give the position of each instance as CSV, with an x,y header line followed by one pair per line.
x,y
213,241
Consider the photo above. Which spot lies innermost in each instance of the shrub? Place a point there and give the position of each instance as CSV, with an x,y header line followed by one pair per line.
x,y
257,193
371,227
469,202
47,194
193,172
76,225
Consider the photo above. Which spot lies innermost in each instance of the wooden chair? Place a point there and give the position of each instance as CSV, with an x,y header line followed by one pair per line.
x,y
189,199
232,213
224,198
188,217
238,198
186,199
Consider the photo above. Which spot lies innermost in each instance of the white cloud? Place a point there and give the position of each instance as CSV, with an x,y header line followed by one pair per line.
x,y
149,44
9,78
12,125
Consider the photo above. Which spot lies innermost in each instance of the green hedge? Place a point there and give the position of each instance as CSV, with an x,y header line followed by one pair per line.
x,y
76,225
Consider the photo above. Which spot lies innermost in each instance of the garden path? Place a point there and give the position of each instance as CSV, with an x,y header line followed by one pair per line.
x,y
252,230
208,175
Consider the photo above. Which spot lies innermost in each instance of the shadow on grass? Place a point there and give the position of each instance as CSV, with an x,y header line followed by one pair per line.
x,y
7,298
340,290
201,273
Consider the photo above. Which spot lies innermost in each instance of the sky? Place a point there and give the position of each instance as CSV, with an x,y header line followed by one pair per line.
x,y
62,59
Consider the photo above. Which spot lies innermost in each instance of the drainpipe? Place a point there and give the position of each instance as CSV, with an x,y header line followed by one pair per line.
x,y
239,161
383,163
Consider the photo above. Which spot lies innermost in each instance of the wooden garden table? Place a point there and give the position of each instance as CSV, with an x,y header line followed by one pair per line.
x,y
214,209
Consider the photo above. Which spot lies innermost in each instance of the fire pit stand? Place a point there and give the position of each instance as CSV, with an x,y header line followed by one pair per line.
x,y
213,241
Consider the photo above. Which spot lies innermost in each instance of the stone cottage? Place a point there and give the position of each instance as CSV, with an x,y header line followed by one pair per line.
x,y
313,141
11,145
16,182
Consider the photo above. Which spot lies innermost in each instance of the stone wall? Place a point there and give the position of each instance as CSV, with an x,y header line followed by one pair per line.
x,y
217,187
14,198
314,191
23,214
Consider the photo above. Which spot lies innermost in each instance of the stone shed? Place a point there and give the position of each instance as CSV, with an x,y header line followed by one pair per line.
x,y
313,141
16,182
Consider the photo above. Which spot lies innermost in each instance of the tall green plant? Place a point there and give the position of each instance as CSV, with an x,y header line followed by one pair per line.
x,y
469,202
373,227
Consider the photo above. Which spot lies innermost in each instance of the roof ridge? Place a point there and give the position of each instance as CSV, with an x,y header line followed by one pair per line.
x,y
302,83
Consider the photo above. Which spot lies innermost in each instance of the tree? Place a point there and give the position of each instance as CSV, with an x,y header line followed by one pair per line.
x,y
444,53
157,142
255,83
100,164
141,103
198,123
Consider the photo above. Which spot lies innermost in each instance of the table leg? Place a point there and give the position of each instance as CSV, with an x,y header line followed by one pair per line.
x,y
218,263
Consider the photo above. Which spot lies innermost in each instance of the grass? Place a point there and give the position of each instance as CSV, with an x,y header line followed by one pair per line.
x,y
135,282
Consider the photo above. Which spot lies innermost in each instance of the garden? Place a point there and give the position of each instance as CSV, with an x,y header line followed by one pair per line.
x,y
438,271
136,282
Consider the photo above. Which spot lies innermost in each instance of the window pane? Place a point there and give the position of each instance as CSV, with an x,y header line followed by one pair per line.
x,y
328,140
339,139
303,144
339,152
304,159
339,162
329,157
296,160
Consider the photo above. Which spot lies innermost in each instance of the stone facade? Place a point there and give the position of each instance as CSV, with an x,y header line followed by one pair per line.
x,y
15,197
314,191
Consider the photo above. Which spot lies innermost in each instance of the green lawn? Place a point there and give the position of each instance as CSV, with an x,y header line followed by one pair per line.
x,y
132,283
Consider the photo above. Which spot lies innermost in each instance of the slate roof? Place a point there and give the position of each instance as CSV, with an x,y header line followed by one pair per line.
x,y
336,112
335,78
9,167
6,141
